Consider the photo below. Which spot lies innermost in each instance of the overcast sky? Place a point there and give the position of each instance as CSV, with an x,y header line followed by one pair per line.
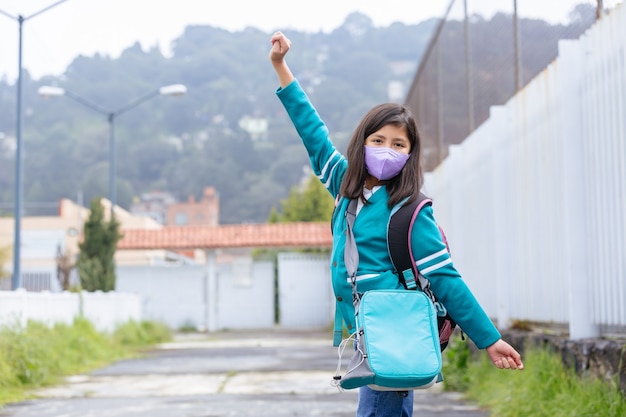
x,y
52,39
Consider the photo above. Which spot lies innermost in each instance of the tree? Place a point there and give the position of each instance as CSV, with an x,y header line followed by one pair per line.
x,y
311,204
4,256
196,141
96,264
64,268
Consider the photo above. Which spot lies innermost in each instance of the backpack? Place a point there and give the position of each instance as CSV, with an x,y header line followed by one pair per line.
x,y
398,238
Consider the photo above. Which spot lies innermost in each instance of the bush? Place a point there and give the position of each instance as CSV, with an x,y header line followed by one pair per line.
x,y
36,355
7,377
544,388
28,353
456,361
141,334
83,347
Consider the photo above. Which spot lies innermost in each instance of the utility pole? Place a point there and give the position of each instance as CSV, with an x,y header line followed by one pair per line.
x,y
469,78
516,48
16,281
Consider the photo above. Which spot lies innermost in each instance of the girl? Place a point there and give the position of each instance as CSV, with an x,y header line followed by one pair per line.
x,y
381,169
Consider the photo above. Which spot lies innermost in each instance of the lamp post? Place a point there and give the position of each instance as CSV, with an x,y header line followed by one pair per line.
x,y
168,90
16,281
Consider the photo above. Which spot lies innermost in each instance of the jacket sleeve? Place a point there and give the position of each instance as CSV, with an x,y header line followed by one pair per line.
x,y
434,263
327,162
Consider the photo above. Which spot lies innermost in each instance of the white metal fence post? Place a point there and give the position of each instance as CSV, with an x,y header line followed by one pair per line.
x,y
574,191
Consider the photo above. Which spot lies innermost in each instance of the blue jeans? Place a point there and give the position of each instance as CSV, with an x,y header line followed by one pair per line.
x,y
384,403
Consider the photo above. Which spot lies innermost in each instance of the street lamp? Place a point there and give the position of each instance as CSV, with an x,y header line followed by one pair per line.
x,y
16,281
168,90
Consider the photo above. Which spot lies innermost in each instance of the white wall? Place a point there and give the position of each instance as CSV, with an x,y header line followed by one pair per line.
x,y
240,296
534,201
104,310
174,295
245,295
305,292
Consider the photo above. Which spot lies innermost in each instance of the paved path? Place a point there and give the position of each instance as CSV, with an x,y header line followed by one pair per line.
x,y
274,373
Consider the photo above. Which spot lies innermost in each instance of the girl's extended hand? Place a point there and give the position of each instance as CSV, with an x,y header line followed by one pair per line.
x,y
504,356
280,47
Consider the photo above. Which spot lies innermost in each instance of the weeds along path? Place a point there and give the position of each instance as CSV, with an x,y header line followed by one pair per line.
x,y
271,373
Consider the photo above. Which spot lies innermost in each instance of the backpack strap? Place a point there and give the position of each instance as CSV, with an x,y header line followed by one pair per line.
x,y
399,241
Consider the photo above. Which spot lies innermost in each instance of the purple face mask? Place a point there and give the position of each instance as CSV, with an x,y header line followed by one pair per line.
x,y
384,163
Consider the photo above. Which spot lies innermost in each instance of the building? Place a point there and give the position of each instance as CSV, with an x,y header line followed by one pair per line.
x,y
195,213
46,238
153,204
146,242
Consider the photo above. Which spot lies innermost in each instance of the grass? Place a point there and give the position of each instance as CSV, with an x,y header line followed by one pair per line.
x,y
36,355
544,388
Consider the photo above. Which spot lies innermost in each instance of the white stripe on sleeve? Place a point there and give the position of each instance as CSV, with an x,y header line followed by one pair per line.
x,y
431,257
436,266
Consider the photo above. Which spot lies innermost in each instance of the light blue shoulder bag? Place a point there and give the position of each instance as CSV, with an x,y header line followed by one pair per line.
x,y
397,338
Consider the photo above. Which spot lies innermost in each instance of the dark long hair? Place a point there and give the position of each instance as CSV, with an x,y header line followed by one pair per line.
x,y
409,181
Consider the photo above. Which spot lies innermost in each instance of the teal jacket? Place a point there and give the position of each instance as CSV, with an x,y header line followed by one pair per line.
x,y
375,269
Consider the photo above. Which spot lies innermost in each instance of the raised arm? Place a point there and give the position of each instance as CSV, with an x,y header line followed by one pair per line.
x,y
280,47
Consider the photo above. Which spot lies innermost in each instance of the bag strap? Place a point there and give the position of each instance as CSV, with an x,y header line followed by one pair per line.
x,y
399,241
399,247
351,260
350,252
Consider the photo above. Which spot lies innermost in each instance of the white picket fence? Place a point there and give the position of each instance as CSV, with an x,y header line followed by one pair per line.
x,y
534,201
104,310
234,295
